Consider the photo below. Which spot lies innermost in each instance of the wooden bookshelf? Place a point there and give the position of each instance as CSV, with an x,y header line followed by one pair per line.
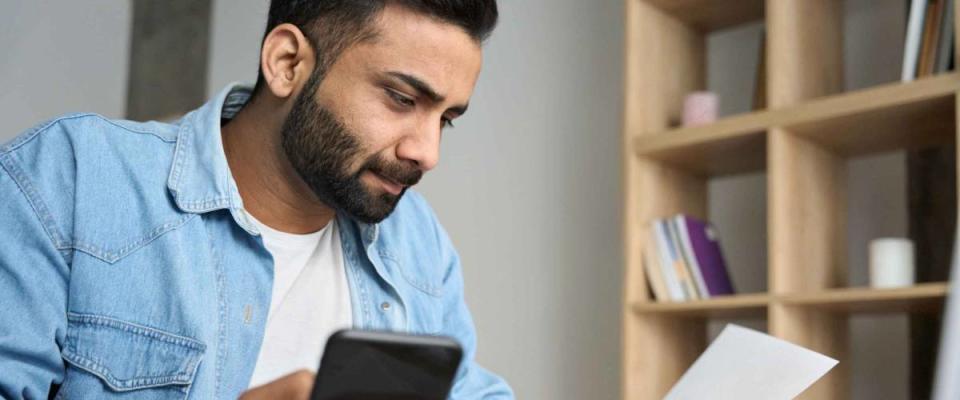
x,y
802,142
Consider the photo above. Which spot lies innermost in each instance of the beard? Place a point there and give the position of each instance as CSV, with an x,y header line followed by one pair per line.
x,y
322,149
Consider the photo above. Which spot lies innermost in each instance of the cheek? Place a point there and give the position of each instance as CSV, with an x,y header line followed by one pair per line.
x,y
378,130
369,117
374,138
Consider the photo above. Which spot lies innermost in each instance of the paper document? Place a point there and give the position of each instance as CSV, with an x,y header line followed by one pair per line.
x,y
744,364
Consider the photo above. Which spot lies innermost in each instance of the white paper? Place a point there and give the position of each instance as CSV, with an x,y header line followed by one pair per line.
x,y
744,364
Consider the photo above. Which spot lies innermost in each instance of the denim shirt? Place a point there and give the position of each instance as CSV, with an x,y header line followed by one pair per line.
x,y
128,268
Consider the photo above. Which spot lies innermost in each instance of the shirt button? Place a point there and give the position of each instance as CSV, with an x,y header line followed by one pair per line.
x,y
247,314
385,306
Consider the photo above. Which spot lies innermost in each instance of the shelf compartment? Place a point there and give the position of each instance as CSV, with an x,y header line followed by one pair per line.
x,y
737,306
926,297
711,15
895,116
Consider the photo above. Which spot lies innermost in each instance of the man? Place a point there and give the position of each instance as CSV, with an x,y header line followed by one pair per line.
x,y
211,257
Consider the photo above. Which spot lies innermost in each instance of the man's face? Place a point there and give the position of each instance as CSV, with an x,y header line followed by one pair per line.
x,y
370,128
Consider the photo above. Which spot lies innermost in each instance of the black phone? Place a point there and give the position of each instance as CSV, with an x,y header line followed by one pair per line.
x,y
373,365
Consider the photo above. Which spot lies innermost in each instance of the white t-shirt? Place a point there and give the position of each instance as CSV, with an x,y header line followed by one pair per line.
x,y
310,301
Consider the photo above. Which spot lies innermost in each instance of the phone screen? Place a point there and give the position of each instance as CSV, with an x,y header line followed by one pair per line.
x,y
386,366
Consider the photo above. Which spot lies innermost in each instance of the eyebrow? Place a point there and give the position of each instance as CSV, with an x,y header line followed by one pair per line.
x,y
420,86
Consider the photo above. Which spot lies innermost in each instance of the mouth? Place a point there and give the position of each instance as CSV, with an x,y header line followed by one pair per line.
x,y
388,184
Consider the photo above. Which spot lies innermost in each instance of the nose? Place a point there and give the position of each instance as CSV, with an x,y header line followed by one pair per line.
x,y
422,147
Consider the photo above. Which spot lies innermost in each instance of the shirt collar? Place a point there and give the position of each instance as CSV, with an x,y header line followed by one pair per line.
x,y
200,179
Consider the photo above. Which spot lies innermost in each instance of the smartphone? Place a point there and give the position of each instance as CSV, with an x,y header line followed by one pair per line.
x,y
372,365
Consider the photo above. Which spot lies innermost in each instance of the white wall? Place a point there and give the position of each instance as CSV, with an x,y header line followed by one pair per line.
x,y
528,187
61,56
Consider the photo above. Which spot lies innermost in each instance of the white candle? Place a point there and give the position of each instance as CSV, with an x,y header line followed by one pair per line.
x,y
891,262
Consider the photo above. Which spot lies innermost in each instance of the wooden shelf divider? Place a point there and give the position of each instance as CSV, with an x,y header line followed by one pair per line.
x,y
742,305
710,15
925,297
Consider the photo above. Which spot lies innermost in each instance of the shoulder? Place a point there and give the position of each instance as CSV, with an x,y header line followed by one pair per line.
x,y
68,148
74,141
75,138
90,159
82,128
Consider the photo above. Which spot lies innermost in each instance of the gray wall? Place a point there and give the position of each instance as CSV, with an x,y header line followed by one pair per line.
x,y
235,42
528,188
59,57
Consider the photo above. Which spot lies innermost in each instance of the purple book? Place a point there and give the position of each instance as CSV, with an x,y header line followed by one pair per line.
x,y
706,249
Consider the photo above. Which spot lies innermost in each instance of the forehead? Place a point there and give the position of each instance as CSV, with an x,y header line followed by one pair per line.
x,y
440,53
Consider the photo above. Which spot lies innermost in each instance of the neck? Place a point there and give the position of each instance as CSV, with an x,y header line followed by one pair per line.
x,y
271,189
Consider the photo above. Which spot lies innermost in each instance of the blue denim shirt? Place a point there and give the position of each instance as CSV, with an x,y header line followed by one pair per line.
x,y
128,268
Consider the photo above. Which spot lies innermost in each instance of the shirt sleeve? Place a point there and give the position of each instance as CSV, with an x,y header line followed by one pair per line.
x,y
33,292
472,380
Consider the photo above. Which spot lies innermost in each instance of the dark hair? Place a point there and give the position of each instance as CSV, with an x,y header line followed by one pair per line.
x,y
333,25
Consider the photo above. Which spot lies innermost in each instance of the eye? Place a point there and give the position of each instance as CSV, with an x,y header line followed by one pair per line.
x,y
400,99
446,122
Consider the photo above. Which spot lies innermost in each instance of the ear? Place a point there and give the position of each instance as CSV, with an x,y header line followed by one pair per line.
x,y
287,59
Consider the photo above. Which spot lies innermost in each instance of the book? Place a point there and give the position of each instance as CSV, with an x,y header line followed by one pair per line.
x,y
911,46
706,249
653,270
945,43
760,79
930,28
670,276
689,257
680,262
953,55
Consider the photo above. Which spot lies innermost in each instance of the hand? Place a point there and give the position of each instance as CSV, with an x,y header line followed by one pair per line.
x,y
296,386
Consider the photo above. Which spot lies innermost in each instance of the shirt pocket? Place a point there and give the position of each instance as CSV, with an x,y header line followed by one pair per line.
x,y
111,359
